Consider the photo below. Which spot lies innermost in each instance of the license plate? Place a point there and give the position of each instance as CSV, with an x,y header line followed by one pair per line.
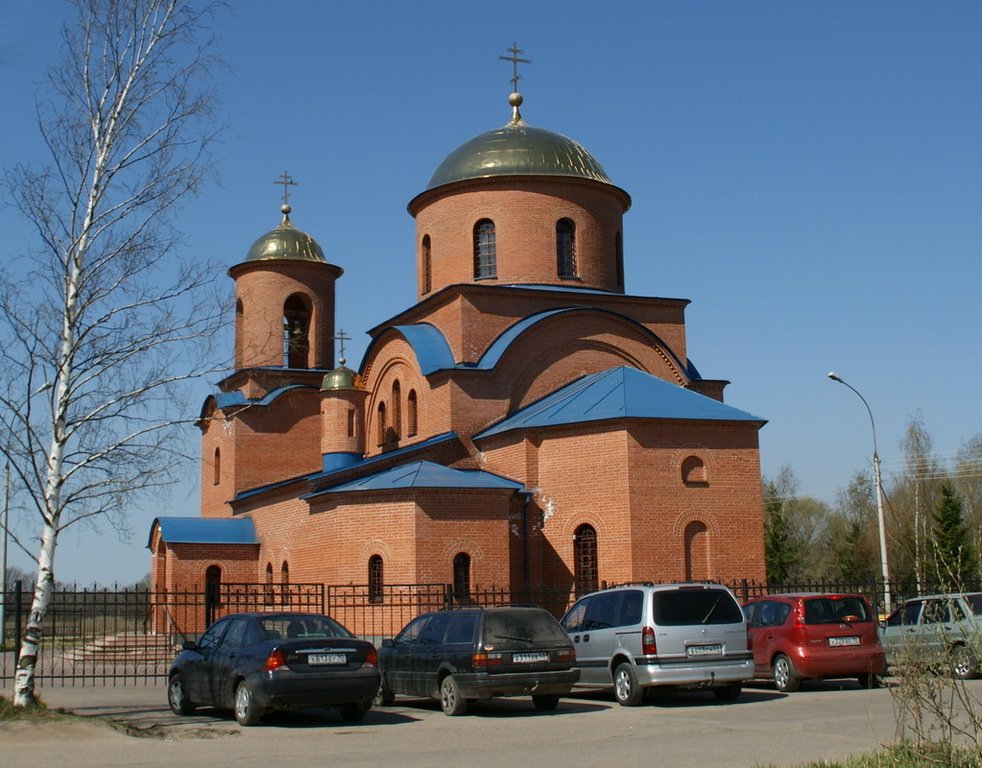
x,y
705,650
327,658
839,642
529,658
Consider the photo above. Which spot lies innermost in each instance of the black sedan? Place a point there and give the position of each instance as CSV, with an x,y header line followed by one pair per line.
x,y
254,662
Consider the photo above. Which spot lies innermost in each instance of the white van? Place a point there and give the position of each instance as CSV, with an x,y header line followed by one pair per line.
x,y
637,636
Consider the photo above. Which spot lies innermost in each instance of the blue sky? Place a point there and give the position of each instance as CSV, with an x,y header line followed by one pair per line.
x,y
808,174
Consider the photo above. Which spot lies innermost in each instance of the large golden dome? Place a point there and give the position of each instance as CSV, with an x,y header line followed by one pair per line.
x,y
517,149
286,242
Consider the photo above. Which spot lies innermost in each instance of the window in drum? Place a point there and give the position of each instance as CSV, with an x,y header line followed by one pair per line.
x,y
565,248
485,260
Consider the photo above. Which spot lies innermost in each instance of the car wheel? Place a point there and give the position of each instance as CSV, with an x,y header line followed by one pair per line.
x,y
177,696
247,709
869,681
546,703
383,696
785,679
729,692
626,689
963,664
450,699
354,713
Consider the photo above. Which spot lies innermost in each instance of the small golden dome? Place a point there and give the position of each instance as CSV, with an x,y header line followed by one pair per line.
x,y
286,242
341,377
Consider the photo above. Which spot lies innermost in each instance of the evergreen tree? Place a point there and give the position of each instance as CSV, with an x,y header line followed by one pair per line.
x,y
781,550
954,560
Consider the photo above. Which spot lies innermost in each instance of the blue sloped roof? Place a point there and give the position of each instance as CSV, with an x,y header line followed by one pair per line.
x,y
235,397
618,393
426,474
201,530
429,345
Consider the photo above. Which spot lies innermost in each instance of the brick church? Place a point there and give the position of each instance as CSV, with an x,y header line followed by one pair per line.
x,y
527,423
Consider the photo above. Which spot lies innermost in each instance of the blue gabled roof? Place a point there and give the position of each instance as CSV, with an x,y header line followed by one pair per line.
x,y
426,474
618,393
200,530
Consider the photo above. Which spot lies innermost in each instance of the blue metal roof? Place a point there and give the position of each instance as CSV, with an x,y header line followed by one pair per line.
x,y
236,398
200,530
618,393
426,474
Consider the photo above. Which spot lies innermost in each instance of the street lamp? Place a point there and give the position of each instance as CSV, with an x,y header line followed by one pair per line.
x,y
884,567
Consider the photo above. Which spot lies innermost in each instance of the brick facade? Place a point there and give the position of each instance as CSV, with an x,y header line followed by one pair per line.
x,y
632,498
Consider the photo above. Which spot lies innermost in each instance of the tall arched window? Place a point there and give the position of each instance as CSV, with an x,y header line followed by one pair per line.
x,y
269,584
462,577
619,255
285,582
217,468
376,583
565,248
485,260
396,409
696,552
427,265
213,592
585,571
296,330
382,425
239,331
412,413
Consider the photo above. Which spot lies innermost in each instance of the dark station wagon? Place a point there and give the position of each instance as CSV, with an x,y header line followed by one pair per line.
x,y
479,653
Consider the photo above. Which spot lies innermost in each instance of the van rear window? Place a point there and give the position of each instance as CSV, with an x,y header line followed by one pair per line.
x,y
695,606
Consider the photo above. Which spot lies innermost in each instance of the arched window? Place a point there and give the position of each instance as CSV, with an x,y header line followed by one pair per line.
x,y
285,582
585,571
619,254
239,330
396,409
694,471
382,425
217,467
412,413
296,330
376,584
213,592
485,260
462,577
565,248
427,265
696,552
268,590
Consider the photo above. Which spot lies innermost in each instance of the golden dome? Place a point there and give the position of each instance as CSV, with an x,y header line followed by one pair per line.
x,y
286,242
341,377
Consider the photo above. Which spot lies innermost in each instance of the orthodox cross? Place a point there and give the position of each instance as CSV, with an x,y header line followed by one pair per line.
x,y
287,182
342,337
514,51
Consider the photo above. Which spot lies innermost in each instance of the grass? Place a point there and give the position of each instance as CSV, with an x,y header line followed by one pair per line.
x,y
37,713
908,756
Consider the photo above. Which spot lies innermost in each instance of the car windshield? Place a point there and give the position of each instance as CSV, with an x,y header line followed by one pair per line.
x,y
522,626
832,610
301,626
679,607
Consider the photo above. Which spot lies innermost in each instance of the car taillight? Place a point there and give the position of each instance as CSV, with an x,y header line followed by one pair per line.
x,y
567,656
485,660
275,660
372,657
648,647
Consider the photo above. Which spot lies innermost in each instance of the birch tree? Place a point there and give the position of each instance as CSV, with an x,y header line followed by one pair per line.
x,y
106,325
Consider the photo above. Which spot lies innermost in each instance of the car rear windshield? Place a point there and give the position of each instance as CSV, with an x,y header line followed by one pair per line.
x,y
830,610
301,626
522,626
678,607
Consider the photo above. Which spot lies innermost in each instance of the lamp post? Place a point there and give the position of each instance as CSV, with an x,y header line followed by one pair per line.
x,y
884,567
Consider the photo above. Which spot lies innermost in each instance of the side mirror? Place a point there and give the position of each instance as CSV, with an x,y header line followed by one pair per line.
x,y
387,642
189,645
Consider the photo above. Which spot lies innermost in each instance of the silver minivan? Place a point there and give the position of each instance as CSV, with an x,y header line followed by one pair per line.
x,y
638,636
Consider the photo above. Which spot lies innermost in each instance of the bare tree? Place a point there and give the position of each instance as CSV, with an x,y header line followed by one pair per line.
x,y
105,329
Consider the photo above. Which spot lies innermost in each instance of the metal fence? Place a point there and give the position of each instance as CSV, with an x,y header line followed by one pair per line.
x,y
129,636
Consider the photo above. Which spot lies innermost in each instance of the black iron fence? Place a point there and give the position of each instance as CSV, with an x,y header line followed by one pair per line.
x,y
129,636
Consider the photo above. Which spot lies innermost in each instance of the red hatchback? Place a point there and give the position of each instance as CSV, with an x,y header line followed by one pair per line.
x,y
812,635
